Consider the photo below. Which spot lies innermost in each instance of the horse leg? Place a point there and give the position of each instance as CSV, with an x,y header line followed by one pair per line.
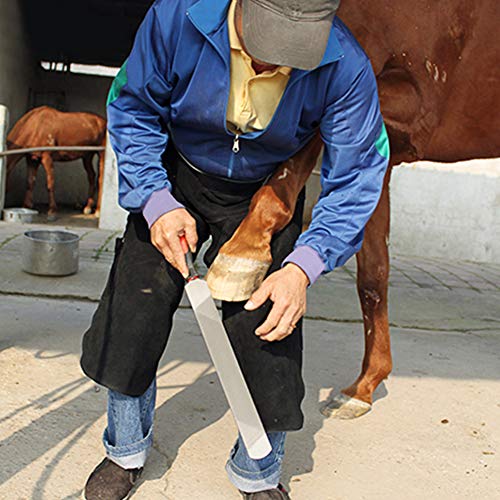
x,y
372,283
100,180
48,165
242,262
400,102
89,168
30,181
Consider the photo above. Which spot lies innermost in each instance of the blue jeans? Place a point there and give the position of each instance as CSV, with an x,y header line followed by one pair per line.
x,y
129,437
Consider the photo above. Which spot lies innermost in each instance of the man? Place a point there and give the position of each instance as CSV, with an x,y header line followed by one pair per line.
x,y
229,89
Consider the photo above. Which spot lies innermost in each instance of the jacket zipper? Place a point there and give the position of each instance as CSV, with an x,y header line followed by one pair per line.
x,y
236,144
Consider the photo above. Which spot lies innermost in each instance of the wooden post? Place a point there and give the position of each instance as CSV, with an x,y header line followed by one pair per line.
x,y
4,126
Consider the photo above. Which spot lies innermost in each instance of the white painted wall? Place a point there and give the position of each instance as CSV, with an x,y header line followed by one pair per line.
x,y
112,215
447,210
4,125
441,210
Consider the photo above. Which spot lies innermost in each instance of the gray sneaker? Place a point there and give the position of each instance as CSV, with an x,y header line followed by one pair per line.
x,y
278,493
109,481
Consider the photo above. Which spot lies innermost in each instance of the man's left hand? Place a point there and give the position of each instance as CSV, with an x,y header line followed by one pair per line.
x,y
287,289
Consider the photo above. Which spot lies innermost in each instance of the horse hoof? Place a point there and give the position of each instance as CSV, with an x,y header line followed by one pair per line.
x,y
51,217
234,279
97,213
87,210
344,407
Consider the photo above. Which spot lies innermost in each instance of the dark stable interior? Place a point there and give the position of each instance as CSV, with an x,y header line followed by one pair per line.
x,y
83,31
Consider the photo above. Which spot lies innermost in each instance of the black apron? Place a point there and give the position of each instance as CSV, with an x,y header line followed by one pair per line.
x,y
131,326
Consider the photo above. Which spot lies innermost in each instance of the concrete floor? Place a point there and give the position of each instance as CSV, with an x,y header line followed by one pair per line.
x,y
433,432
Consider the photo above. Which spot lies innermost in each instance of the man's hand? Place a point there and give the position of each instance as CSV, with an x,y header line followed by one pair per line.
x,y
287,289
166,233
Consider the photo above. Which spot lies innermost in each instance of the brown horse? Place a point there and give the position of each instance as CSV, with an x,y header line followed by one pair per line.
x,y
438,72
46,126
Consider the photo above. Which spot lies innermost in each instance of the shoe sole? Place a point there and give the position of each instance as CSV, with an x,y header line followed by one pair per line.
x,y
130,493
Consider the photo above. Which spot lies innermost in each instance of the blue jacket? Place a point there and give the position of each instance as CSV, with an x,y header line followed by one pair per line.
x,y
175,84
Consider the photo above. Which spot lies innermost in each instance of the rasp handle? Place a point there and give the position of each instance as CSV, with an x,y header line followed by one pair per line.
x,y
189,260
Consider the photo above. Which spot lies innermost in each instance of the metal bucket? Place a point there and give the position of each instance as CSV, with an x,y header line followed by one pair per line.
x,y
50,253
24,215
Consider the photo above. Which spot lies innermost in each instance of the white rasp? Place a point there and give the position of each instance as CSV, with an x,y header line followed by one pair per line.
x,y
233,383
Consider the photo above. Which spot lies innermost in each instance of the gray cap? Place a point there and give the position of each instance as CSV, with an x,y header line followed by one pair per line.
x,y
288,32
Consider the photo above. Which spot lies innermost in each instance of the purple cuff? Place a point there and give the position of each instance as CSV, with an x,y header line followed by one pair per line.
x,y
159,203
308,260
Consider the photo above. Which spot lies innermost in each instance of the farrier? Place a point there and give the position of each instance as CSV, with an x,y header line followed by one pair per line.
x,y
214,96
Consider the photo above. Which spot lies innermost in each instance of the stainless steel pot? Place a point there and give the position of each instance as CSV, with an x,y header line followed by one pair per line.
x,y
50,253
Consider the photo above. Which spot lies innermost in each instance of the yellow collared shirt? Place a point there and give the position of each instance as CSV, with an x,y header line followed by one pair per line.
x,y
253,98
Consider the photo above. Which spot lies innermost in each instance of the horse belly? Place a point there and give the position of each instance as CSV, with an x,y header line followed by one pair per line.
x,y
65,156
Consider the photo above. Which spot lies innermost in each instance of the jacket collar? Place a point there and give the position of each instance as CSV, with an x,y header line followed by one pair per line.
x,y
209,15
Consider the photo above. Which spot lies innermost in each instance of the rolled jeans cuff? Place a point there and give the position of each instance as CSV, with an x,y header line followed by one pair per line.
x,y
250,482
251,476
131,456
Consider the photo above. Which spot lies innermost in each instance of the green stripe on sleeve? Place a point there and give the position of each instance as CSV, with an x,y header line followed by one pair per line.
x,y
382,143
118,83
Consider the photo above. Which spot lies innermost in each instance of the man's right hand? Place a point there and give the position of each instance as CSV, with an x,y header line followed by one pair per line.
x,y
166,233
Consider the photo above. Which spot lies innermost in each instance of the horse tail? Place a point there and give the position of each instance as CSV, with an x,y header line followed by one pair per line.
x,y
12,161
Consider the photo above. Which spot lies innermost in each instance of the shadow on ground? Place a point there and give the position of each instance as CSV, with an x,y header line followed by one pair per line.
x,y
59,430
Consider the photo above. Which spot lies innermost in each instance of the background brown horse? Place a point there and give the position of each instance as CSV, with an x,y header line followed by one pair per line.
x,y
46,126
438,72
